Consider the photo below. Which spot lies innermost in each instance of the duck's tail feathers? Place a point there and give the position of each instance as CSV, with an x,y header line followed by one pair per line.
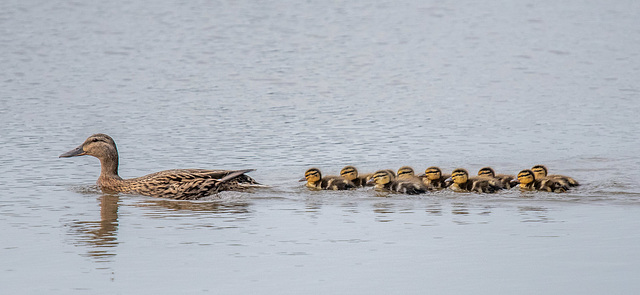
x,y
234,174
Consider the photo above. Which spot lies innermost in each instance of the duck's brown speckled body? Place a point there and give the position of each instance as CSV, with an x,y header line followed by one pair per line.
x,y
180,184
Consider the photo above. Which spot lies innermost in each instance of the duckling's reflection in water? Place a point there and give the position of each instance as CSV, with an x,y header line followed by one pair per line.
x,y
534,214
100,235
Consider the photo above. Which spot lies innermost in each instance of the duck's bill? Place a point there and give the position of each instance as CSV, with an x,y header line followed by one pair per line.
x,y
74,152
302,179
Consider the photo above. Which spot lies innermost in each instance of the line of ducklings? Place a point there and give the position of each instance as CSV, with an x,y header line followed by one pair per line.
x,y
405,181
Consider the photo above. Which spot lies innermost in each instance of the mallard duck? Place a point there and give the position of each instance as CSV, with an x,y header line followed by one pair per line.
x,y
433,178
351,173
315,180
385,181
181,184
528,181
541,171
463,183
505,180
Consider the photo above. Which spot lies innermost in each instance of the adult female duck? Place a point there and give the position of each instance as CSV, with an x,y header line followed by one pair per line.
x,y
180,184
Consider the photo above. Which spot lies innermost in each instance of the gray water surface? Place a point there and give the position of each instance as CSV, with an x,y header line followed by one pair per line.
x,y
282,86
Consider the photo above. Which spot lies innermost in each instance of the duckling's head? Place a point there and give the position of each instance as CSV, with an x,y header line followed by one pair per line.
x,y
382,177
405,172
349,173
460,176
98,145
433,173
487,172
526,177
539,171
312,175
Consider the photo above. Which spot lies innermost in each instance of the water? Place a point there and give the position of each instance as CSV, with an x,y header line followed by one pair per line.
x,y
281,86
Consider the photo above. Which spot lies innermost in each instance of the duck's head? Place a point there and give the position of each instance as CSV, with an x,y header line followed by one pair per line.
x,y
98,145
539,171
526,177
405,172
349,173
487,172
382,177
459,176
312,175
433,173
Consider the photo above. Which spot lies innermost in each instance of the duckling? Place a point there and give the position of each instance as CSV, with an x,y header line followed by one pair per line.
x,y
541,171
505,180
406,172
314,180
385,181
528,181
351,173
181,184
463,183
433,178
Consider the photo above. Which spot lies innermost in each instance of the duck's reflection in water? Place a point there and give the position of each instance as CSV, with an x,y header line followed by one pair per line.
x,y
100,235
193,207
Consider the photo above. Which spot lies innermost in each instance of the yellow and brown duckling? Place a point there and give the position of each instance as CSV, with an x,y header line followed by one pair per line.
x,y
385,181
529,182
463,183
316,181
182,184
434,179
540,171
407,173
351,173
507,181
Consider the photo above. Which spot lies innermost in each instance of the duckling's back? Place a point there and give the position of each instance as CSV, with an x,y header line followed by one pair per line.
x,y
336,183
